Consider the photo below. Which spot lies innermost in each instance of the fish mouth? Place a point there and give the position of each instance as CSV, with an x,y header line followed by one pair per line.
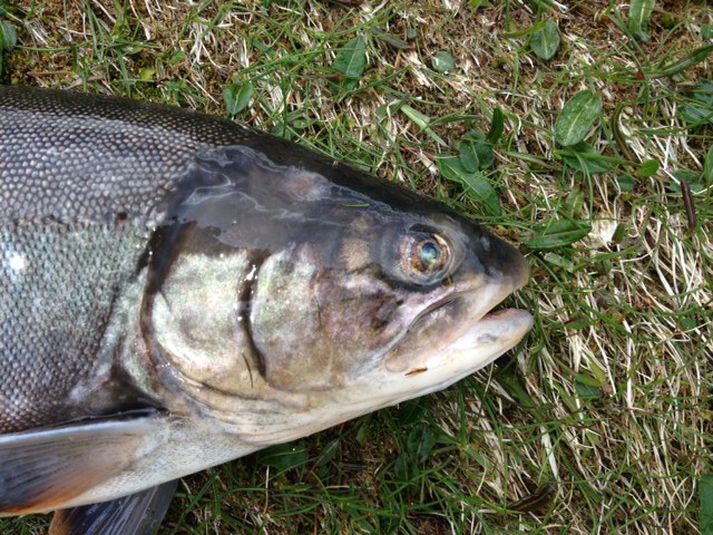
x,y
461,333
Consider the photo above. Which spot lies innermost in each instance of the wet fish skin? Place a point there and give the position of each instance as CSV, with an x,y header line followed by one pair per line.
x,y
142,251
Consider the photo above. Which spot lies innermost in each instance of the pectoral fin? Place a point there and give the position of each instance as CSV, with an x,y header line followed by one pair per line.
x,y
136,514
46,469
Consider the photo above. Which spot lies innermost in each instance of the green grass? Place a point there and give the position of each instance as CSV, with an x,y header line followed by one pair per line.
x,y
601,420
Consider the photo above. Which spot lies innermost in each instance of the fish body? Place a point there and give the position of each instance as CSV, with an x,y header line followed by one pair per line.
x,y
177,291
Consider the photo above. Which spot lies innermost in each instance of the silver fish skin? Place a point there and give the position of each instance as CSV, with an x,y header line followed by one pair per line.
x,y
177,291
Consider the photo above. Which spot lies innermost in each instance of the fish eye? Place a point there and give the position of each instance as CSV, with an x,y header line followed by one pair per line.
x,y
425,258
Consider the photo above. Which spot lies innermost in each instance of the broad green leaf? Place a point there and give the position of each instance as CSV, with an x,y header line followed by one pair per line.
x,y
351,60
587,392
514,385
479,189
585,159
147,74
403,469
699,110
689,176
420,442
545,40
648,168
237,96
475,152
705,494
443,62
284,456
619,234
475,136
598,373
670,20
475,184
451,168
363,433
692,59
411,411
468,156
497,126
8,36
577,118
639,17
574,202
692,178
626,183
558,233
486,156
708,168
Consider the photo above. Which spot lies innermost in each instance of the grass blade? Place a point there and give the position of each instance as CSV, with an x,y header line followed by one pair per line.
x,y
423,122
639,17
705,492
708,167
497,126
692,59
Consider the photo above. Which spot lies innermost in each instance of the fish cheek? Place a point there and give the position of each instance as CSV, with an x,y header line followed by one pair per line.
x,y
285,326
312,330
359,321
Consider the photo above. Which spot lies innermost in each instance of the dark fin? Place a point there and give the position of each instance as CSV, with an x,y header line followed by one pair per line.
x,y
43,470
136,514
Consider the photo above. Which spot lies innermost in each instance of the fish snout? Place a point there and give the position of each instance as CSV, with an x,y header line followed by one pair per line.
x,y
501,260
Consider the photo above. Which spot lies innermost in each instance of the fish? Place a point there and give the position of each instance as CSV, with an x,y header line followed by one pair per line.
x,y
178,291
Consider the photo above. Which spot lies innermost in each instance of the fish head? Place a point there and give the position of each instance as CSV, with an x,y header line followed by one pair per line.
x,y
402,301
346,294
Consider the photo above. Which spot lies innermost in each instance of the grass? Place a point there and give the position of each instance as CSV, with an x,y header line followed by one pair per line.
x,y
601,420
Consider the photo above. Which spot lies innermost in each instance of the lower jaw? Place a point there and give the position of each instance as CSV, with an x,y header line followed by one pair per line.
x,y
506,327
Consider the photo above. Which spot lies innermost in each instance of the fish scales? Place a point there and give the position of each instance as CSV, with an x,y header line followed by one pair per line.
x,y
52,320
70,157
70,169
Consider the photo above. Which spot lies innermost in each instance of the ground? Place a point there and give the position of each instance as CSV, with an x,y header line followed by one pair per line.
x,y
601,420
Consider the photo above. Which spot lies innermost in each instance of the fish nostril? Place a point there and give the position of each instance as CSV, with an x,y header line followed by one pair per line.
x,y
501,259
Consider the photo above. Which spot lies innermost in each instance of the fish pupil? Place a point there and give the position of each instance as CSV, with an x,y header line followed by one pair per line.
x,y
430,255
